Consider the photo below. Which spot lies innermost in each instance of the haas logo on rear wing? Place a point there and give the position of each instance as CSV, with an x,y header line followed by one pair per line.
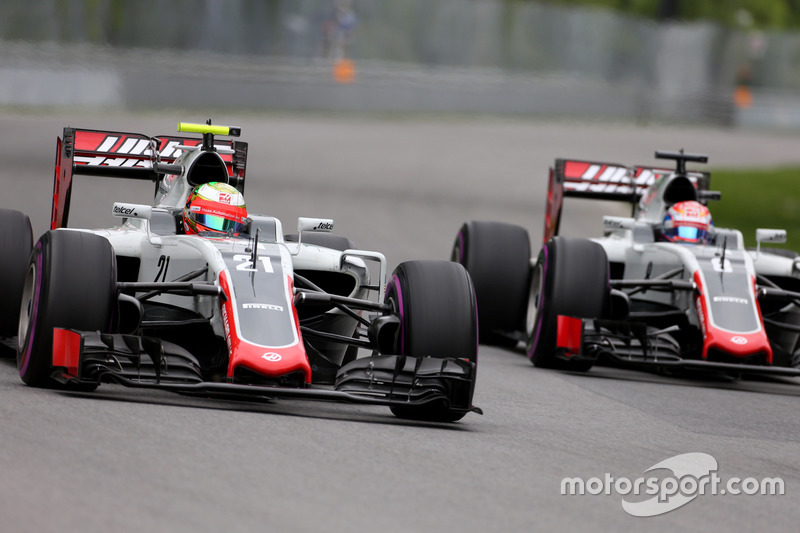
x,y
126,150
619,182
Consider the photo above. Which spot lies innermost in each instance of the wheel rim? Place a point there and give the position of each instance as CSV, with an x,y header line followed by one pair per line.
x,y
394,297
26,311
536,303
534,300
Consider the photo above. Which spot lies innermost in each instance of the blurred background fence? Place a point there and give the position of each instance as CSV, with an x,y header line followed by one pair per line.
x,y
486,56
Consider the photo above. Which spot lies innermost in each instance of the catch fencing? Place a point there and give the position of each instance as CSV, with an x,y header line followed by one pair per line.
x,y
487,56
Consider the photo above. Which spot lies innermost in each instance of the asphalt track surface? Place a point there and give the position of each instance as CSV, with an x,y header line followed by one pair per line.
x,y
123,460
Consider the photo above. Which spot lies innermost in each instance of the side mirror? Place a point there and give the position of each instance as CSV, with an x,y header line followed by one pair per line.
x,y
616,223
311,224
776,236
314,224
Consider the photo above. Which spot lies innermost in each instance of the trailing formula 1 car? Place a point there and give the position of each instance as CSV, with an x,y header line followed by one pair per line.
x,y
194,295
664,288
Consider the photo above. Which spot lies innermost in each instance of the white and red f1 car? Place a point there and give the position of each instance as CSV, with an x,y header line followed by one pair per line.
x,y
630,296
258,314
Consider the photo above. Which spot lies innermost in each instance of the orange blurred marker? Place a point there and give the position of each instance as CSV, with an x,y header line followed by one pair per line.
x,y
743,98
344,71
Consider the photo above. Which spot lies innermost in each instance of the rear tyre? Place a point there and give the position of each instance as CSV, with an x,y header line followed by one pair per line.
x,y
16,243
436,304
497,257
70,283
570,278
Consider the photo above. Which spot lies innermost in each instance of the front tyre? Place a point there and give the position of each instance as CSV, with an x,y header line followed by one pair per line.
x,y
70,283
435,301
16,242
571,279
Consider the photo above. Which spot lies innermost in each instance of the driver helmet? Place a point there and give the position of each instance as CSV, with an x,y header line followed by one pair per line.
x,y
687,222
215,207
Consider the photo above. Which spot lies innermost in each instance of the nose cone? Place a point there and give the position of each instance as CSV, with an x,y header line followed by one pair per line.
x,y
269,366
750,348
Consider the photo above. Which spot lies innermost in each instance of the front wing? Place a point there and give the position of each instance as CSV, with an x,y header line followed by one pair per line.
x,y
645,349
88,358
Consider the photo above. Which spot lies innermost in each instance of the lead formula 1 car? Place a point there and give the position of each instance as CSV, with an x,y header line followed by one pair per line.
x,y
245,312
664,288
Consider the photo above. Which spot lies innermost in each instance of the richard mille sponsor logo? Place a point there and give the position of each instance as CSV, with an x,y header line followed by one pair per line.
x,y
731,299
268,307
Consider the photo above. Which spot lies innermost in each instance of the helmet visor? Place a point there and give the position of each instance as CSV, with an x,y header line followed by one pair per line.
x,y
688,233
217,223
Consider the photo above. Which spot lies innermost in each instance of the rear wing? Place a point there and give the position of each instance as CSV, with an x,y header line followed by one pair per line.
x,y
125,155
605,181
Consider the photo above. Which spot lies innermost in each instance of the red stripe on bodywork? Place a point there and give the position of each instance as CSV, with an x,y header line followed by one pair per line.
x,y
257,358
739,345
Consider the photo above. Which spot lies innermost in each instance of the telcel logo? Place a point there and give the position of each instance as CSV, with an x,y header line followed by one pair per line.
x,y
123,210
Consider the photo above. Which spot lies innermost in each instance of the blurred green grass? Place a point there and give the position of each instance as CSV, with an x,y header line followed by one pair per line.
x,y
758,198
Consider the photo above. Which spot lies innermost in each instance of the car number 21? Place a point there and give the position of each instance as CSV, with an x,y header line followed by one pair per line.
x,y
246,263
